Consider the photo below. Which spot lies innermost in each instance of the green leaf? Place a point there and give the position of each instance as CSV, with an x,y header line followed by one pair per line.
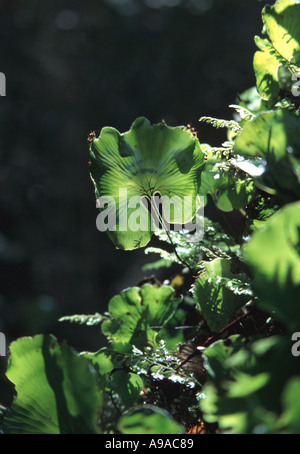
x,y
216,356
232,193
147,160
262,208
251,100
138,314
229,191
282,54
103,362
219,293
170,334
282,25
148,420
273,254
57,391
243,390
114,375
274,137
290,419
127,385
266,64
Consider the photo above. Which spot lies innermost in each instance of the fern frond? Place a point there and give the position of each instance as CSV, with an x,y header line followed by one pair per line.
x,y
82,319
244,113
218,123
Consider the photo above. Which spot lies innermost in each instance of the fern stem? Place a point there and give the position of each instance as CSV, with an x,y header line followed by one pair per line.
x,y
162,222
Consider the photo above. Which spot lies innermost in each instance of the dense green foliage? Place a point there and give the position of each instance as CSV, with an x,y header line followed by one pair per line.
x,y
210,349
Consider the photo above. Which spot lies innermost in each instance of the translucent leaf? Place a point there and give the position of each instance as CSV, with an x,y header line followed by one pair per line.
x,y
251,100
57,390
138,314
282,25
146,161
281,53
273,254
266,64
103,362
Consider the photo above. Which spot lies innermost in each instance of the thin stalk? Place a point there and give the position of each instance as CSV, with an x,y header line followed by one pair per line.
x,y
162,222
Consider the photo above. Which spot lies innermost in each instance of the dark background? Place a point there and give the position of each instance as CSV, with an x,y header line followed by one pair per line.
x,y
76,66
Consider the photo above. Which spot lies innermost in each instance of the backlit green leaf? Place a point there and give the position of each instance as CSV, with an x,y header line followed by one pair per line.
x,y
146,161
273,253
138,314
282,25
57,390
266,64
